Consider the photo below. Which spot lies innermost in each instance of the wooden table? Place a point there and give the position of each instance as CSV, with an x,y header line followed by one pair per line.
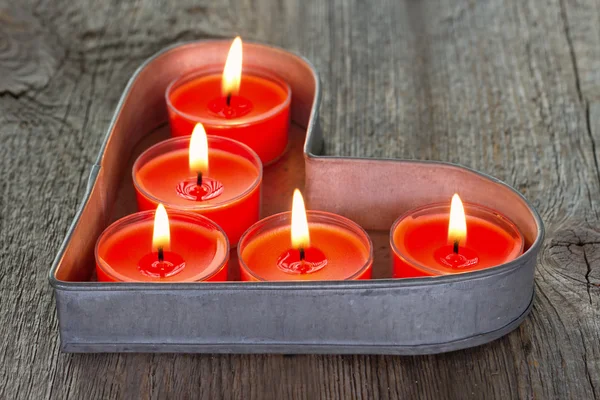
x,y
510,88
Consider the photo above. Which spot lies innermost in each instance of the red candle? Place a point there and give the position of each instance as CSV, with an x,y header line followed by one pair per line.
x,y
433,240
300,246
253,109
154,247
213,176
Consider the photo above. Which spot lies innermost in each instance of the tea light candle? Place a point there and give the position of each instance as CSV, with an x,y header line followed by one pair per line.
x,y
433,240
213,176
253,108
301,246
155,247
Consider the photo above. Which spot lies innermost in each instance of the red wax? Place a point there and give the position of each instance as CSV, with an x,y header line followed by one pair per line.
x,y
162,170
420,242
258,115
199,250
344,246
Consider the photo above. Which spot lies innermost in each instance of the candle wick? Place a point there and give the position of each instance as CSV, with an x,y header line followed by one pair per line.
x,y
302,254
161,254
455,249
228,99
199,179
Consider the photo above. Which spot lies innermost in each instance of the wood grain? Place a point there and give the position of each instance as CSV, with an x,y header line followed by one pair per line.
x,y
509,87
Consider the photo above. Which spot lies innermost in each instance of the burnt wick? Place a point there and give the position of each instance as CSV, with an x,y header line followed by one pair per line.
x,y
302,254
228,99
199,179
161,254
455,248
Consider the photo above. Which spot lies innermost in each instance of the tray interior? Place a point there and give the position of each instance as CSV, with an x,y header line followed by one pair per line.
x,y
140,122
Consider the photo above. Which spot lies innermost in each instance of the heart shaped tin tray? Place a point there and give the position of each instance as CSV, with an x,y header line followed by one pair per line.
x,y
378,316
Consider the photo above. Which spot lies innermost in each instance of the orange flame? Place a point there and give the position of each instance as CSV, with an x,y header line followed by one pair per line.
x,y
457,226
161,236
198,156
232,73
300,235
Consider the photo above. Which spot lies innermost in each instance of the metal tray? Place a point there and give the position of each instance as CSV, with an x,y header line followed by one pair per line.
x,y
386,316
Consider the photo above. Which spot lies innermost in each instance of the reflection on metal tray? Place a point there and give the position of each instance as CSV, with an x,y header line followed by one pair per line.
x,y
410,316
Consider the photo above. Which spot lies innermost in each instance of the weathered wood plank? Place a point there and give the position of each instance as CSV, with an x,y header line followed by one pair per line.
x,y
508,87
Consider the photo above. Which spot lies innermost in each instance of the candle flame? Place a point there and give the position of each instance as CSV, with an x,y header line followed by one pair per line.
x,y
198,156
300,235
457,227
161,237
232,73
